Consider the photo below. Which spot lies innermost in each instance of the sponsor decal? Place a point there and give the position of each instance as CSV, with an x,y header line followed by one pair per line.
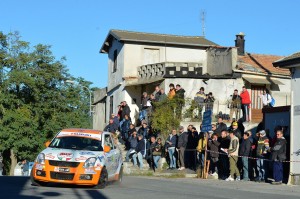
x,y
81,158
49,156
81,134
89,171
39,166
86,153
101,158
97,168
65,156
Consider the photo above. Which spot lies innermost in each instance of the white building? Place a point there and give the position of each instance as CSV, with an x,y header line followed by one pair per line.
x,y
137,62
293,63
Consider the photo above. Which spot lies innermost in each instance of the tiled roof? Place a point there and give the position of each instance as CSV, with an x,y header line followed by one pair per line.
x,y
260,63
123,35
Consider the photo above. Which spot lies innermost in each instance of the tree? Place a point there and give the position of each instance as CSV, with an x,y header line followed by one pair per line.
x,y
35,102
164,117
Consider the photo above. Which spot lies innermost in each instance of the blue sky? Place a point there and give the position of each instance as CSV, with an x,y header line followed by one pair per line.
x,y
77,28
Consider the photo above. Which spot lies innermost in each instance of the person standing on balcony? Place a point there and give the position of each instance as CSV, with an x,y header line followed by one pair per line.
x,y
145,105
266,98
209,102
179,95
172,91
157,93
235,105
162,96
199,99
245,104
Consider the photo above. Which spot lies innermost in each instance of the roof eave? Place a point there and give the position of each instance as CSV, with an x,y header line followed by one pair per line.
x,y
172,43
287,63
104,46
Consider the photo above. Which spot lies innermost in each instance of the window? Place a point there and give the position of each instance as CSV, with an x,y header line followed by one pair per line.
x,y
115,61
111,105
108,141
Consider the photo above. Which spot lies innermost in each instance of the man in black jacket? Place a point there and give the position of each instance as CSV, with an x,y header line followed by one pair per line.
x,y
181,145
213,146
245,150
224,161
278,154
125,110
221,126
140,151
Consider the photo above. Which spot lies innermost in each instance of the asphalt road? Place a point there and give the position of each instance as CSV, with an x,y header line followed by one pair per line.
x,y
149,187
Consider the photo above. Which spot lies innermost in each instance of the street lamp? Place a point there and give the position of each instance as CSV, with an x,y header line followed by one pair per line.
x,y
87,88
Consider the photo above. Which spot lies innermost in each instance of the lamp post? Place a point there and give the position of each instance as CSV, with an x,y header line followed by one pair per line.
x,y
90,93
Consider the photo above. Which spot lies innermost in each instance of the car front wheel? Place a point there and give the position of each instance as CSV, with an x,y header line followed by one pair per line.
x,y
103,179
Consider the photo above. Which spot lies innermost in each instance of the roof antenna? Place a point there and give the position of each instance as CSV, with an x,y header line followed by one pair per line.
x,y
203,14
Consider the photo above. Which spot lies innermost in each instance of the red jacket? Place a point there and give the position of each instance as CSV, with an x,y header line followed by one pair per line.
x,y
245,97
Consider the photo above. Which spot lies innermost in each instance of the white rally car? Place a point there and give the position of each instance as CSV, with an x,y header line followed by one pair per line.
x,y
81,157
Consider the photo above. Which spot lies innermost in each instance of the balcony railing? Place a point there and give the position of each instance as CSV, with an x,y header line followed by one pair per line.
x,y
170,69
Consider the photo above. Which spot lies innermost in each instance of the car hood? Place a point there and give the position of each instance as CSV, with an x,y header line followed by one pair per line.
x,y
70,154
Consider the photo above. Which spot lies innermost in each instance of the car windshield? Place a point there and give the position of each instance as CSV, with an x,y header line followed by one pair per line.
x,y
77,143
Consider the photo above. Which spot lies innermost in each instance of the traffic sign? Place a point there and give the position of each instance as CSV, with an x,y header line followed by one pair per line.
x,y
206,123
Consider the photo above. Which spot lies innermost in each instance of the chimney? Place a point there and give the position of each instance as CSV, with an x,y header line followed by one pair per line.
x,y
240,43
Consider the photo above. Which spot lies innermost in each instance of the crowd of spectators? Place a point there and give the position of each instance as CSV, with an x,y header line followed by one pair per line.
x,y
232,153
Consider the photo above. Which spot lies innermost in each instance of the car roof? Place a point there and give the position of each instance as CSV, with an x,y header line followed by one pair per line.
x,y
79,130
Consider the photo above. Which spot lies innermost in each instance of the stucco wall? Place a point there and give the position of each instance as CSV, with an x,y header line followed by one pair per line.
x,y
281,93
115,78
295,125
221,89
99,116
134,56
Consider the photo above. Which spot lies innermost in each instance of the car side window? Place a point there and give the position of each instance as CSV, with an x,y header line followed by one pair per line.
x,y
108,141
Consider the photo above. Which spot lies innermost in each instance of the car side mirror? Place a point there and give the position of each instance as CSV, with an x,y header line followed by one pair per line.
x,y
106,149
47,143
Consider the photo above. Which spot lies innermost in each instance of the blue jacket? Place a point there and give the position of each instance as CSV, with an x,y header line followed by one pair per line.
x,y
133,142
173,140
140,147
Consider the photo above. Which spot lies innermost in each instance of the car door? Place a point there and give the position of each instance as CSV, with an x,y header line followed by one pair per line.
x,y
110,156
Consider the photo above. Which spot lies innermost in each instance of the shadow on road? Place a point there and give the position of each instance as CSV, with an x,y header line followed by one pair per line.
x,y
19,187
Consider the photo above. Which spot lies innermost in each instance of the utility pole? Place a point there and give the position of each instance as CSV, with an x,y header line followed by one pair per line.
x,y
203,14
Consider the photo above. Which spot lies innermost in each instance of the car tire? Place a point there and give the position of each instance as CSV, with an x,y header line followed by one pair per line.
x,y
120,179
102,179
35,182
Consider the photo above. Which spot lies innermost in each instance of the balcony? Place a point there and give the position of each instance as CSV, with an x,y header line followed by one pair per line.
x,y
170,69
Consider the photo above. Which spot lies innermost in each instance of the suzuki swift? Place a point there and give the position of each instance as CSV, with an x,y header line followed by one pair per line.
x,y
79,157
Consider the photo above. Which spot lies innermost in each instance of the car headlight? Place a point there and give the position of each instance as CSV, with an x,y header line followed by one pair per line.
x,y
89,163
41,158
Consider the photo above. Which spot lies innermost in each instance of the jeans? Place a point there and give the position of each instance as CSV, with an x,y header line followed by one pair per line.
x,y
201,159
25,173
143,115
138,156
171,151
128,154
261,169
245,109
156,158
277,171
245,168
